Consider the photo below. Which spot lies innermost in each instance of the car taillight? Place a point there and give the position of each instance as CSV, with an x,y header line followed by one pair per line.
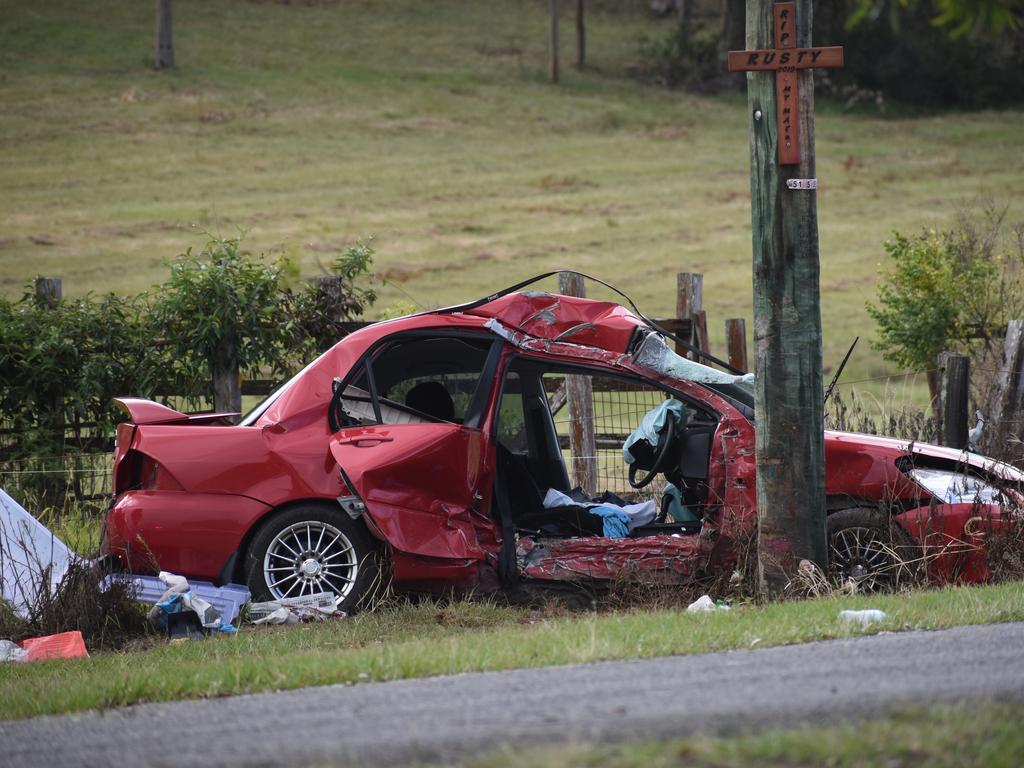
x,y
154,477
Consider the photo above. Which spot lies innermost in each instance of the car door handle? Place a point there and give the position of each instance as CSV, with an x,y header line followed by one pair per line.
x,y
366,441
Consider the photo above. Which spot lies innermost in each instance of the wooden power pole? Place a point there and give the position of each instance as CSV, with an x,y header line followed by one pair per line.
x,y
789,402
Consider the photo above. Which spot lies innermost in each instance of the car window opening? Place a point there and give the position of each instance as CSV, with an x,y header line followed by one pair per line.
x,y
418,380
535,462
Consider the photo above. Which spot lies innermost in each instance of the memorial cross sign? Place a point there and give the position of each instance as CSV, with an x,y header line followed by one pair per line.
x,y
785,59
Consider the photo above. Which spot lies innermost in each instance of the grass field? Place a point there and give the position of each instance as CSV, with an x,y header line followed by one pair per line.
x,y
422,640
974,735
430,126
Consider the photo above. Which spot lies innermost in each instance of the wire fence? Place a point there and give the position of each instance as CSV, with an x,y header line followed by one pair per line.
x,y
618,407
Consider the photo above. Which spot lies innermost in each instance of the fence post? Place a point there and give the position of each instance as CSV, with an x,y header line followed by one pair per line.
x,y
579,392
49,291
700,331
689,301
553,41
954,388
1008,394
736,342
581,35
164,57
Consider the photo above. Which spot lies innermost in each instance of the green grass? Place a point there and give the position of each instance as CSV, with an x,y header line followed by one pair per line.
x,y
981,735
424,640
430,126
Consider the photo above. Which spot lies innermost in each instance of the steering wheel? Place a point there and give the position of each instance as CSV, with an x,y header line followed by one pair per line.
x,y
666,440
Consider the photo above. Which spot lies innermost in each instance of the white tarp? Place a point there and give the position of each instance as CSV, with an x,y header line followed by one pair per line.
x,y
32,559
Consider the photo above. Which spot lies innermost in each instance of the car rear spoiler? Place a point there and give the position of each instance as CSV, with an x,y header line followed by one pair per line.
x,y
142,411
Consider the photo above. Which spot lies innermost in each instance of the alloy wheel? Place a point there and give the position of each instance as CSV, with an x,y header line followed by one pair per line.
x,y
310,557
861,554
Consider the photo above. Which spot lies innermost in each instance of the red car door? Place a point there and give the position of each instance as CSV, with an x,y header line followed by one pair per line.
x,y
419,482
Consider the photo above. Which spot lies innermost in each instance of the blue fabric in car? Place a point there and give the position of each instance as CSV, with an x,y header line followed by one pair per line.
x,y
616,522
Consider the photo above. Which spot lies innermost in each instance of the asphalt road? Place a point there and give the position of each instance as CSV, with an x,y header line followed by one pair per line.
x,y
437,718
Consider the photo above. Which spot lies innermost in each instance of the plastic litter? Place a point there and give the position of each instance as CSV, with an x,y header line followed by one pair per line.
x,y
292,610
615,522
228,599
66,645
864,618
179,598
11,651
33,558
704,604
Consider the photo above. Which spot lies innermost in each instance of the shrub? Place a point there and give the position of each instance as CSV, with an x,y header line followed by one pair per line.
x,y
950,289
61,366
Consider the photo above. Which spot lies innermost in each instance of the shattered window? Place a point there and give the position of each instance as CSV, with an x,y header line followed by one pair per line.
x,y
418,380
655,355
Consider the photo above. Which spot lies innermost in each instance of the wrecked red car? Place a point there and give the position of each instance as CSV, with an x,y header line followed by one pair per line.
x,y
436,448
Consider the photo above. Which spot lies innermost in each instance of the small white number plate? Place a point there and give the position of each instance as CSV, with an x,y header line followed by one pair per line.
x,y
802,183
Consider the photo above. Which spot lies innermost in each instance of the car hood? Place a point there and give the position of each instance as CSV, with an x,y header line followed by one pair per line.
x,y
896,448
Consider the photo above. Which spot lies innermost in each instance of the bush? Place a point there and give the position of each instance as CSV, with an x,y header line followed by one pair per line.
x,y
221,309
61,366
670,61
950,289
912,61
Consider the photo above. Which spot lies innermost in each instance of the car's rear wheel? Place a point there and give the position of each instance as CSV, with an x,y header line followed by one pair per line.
x,y
867,546
312,548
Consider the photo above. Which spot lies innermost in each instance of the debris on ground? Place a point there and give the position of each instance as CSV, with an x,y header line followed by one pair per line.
x,y
864,618
704,604
66,645
292,610
178,598
11,651
227,599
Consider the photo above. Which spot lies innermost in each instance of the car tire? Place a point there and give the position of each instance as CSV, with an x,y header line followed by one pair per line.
x,y
869,547
312,548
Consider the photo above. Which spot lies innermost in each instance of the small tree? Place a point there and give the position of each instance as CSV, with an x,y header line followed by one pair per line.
x,y
948,289
220,313
225,312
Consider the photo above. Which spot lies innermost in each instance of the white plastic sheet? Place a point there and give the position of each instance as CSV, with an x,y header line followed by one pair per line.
x,y
32,559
